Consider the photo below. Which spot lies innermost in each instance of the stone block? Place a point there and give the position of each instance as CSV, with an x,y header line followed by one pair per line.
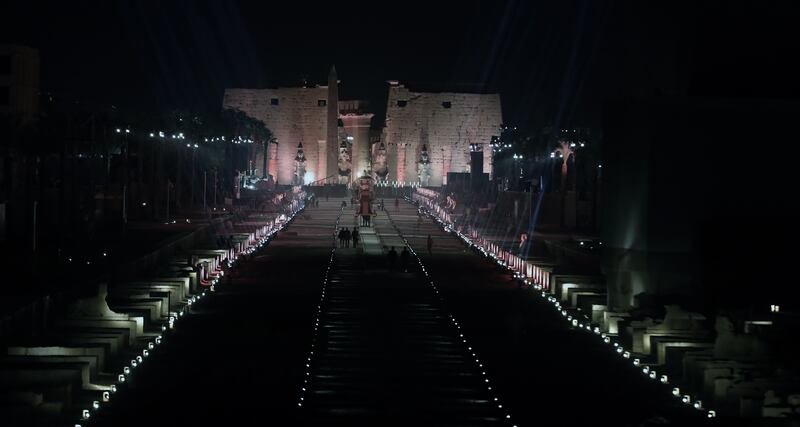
x,y
98,353
129,328
612,321
14,368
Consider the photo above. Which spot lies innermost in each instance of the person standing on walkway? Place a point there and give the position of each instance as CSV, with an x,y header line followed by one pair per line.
x,y
341,237
347,237
404,258
430,245
355,237
391,257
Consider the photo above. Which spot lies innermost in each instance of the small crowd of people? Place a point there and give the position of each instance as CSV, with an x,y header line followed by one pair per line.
x,y
405,257
345,236
312,201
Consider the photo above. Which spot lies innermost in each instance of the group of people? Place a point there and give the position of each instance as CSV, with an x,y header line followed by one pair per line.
x,y
345,236
405,256
382,204
312,201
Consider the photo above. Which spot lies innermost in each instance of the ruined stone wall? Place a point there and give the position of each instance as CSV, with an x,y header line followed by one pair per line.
x,y
416,118
298,116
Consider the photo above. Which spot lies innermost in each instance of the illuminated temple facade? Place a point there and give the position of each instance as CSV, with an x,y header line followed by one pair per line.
x,y
425,135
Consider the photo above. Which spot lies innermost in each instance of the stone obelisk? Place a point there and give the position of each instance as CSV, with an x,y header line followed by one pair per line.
x,y
332,143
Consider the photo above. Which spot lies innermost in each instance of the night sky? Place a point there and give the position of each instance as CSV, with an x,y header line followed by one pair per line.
x,y
552,62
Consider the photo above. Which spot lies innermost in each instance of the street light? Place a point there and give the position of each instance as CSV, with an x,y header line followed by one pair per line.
x,y
194,157
517,176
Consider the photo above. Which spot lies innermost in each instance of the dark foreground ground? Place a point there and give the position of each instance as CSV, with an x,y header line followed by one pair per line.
x,y
386,351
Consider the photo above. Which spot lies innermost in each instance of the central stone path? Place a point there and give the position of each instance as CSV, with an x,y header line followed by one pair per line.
x,y
387,354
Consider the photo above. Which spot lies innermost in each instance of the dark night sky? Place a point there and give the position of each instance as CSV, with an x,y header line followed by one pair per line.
x,y
549,60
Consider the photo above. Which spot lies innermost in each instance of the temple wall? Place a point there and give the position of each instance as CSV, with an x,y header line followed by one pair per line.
x,y
301,115
297,117
448,132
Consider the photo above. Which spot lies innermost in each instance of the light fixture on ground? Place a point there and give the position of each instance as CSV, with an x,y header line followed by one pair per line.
x,y
121,378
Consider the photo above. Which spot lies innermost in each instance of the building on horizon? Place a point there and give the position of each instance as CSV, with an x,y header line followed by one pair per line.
x,y
447,125
425,135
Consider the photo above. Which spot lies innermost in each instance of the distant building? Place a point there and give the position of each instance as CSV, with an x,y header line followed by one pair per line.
x,y
340,144
446,123
19,81
294,115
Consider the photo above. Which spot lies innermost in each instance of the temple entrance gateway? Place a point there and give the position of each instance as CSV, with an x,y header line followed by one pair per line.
x,y
425,134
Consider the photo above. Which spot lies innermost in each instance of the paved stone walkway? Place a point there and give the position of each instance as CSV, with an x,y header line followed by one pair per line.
x,y
386,350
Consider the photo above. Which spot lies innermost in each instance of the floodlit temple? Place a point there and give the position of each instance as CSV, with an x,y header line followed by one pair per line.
x,y
322,139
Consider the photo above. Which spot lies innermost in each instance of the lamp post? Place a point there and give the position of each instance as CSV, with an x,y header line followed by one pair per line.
x,y
194,156
124,180
517,170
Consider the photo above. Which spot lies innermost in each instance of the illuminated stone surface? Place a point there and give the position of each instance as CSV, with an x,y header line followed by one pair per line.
x,y
296,115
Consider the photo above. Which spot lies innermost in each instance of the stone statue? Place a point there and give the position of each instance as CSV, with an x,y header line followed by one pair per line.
x,y
345,163
299,166
424,167
380,168
732,344
94,307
